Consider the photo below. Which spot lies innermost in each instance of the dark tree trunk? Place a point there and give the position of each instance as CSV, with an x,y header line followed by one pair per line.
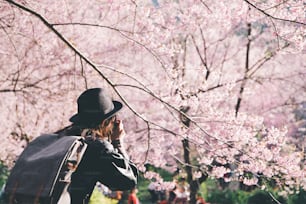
x,y
193,184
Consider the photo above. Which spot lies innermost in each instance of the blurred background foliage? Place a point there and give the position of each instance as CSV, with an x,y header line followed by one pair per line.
x,y
212,190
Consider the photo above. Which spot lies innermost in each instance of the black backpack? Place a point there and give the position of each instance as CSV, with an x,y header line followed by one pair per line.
x,y
42,173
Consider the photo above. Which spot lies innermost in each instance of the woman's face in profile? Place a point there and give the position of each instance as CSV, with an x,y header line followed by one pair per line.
x,y
109,125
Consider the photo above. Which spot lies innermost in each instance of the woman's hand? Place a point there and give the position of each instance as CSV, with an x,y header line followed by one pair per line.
x,y
118,131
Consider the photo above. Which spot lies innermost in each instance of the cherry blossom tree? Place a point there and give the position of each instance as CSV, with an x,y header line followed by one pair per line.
x,y
208,86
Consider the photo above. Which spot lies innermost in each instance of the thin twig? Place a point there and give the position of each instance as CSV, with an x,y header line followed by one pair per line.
x,y
273,17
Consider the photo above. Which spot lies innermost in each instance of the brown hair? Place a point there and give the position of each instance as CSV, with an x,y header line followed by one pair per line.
x,y
98,131
101,130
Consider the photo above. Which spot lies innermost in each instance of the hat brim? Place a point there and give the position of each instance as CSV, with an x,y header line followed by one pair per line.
x,y
96,117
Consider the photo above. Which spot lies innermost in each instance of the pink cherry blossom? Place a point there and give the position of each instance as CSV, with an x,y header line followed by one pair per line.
x,y
239,67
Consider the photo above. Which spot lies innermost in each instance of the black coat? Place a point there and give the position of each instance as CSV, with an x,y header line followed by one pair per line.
x,y
104,163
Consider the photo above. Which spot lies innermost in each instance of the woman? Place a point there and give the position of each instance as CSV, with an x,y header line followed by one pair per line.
x,y
105,159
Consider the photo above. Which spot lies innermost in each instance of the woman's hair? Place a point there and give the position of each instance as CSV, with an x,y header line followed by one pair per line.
x,y
100,130
95,130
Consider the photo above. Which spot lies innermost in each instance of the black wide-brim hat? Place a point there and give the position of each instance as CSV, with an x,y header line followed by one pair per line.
x,y
94,106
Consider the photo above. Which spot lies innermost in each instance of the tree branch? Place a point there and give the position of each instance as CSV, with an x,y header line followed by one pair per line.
x,y
124,34
246,71
273,17
206,6
201,58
